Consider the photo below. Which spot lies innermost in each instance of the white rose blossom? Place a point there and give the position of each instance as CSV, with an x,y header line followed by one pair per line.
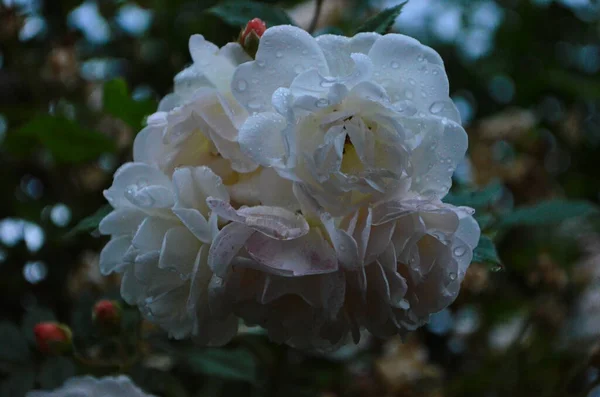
x,y
300,191
354,119
117,386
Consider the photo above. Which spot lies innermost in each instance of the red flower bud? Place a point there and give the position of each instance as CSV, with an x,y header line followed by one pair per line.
x,y
256,26
251,34
107,313
52,338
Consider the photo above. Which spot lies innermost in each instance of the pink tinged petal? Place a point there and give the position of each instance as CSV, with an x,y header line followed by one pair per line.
x,y
224,210
112,255
338,49
261,139
149,236
226,246
275,222
121,221
178,252
194,185
436,158
283,53
216,68
309,254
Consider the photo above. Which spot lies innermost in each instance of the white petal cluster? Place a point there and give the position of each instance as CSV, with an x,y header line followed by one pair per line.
x,y
89,386
299,191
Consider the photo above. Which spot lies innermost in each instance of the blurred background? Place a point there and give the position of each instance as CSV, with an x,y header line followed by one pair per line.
x,y
77,79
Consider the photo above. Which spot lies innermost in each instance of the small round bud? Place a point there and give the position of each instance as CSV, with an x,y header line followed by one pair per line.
x,y
53,338
256,26
251,34
107,313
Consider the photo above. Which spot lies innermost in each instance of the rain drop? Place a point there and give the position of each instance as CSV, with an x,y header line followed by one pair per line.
x,y
408,94
460,251
412,81
321,103
436,107
304,52
255,104
278,54
452,276
260,63
420,58
242,85
394,65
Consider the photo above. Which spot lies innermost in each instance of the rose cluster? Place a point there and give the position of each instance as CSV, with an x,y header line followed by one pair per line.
x,y
299,190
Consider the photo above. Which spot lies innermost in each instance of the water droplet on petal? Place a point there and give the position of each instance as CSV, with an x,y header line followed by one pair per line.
x,y
242,85
412,81
321,103
255,104
452,276
394,65
408,94
460,251
260,63
437,107
278,54
420,58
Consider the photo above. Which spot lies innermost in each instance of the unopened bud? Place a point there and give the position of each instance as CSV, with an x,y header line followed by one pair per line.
x,y
53,338
107,313
251,34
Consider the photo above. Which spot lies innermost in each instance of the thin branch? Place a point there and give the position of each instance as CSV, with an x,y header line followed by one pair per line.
x,y
315,19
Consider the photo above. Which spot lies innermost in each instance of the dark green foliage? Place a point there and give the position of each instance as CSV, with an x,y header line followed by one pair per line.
x,y
238,13
382,22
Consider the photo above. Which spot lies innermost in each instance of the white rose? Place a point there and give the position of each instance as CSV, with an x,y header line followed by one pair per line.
x,y
161,232
354,119
110,386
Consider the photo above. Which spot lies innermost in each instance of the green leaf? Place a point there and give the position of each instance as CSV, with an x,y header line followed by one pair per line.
x,y
89,223
238,13
486,253
382,22
231,364
118,103
55,371
476,198
547,213
68,141
18,383
13,345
